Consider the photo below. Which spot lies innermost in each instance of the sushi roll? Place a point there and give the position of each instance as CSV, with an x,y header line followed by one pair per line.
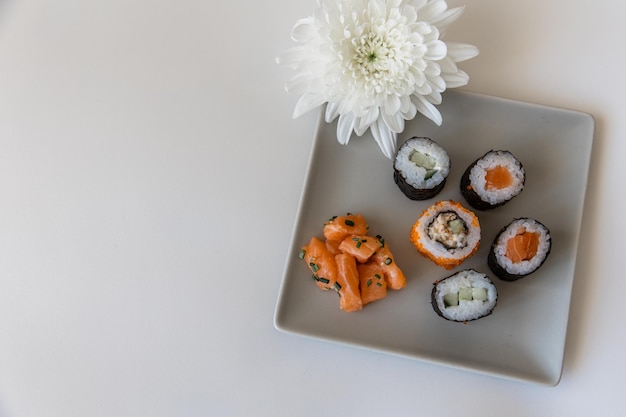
x,y
464,296
446,233
420,168
493,180
519,249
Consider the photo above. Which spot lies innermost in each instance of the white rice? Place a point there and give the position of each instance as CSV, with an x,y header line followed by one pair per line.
x,y
489,161
467,309
415,175
522,267
436,248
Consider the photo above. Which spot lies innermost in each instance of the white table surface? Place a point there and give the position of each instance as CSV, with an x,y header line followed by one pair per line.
x,y
144,144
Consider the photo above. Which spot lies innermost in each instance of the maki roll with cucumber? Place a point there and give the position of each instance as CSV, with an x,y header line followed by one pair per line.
x,y
519,249
446,233
493,180
420,168
464,296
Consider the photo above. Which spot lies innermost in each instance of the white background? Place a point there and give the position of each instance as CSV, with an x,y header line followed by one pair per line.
x,y
150,173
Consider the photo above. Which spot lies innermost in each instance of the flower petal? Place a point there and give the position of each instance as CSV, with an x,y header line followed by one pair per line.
x,y
437,82
393,121
392,104
408,108
447,65
427,109
448,17
409,13
331,112
457,79
435,98
366,121
418,4
436,50
303,30
460,52
291,57
345,126
306,103
431,10
299,84
385,138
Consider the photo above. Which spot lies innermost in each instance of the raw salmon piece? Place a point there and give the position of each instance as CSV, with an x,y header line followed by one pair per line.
x,y
498,177
340,227
348,283
333,246
362,247
393,274
522,247
372,282
321,262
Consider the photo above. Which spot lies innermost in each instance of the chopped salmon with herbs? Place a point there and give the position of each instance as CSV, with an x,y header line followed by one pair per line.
x,y
321,263
361,247
393,274
359,267
373,285
340,227
348,283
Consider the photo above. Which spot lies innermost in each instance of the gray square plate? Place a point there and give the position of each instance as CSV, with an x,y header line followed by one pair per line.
x,y
524,338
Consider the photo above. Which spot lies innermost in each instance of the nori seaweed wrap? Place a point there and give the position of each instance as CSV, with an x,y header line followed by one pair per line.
x,y
519,249
464,296
492,180
420,168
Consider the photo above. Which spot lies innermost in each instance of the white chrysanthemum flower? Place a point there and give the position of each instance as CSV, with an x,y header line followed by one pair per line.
x,y
376,63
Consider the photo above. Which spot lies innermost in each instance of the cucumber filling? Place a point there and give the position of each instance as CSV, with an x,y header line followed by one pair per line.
x,y
425,161
453,299
449,229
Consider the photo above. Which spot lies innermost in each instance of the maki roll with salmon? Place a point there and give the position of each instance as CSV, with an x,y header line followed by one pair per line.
x,y
420,168
465,296
519,249
493,180
446,233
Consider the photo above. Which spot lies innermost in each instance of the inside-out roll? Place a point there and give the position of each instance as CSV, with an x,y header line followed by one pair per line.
x,y
447,233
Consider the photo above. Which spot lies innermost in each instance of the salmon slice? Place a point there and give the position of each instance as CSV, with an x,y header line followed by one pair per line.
x,y
340,227
348,283
393,274
321,262
372,282
498,177
333,246
523,246
362,247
